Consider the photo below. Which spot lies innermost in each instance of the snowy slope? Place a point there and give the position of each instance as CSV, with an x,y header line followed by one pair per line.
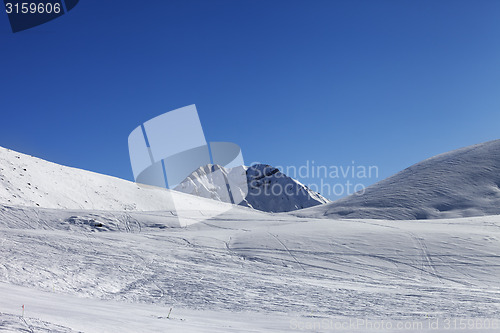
x,y
266,188
13,323
243,271
460,183
29,181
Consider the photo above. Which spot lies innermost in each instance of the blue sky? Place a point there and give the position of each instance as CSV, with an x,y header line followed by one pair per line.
x,y
385,83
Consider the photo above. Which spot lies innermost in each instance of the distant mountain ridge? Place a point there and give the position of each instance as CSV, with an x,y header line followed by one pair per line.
x,y
460,183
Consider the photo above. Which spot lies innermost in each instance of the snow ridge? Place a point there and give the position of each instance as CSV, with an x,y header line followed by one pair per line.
x,y
460,183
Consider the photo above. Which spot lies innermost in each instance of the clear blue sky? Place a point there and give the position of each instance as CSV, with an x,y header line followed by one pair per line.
x,y
386,83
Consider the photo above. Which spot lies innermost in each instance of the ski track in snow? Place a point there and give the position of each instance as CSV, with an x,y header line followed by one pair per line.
x,y
274,264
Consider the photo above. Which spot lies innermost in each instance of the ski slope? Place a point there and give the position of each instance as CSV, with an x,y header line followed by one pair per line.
x,y
29,181
106,265
460,183
269,267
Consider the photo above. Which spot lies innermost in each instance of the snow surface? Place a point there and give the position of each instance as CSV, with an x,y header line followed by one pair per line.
x,y
242,271
263,188
97,267
460,183
29,181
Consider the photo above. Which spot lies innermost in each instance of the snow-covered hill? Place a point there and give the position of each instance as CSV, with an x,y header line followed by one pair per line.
x,y
266,188
460,183
29,181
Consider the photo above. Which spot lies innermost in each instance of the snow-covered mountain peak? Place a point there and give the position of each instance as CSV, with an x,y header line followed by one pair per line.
x,y
264,187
